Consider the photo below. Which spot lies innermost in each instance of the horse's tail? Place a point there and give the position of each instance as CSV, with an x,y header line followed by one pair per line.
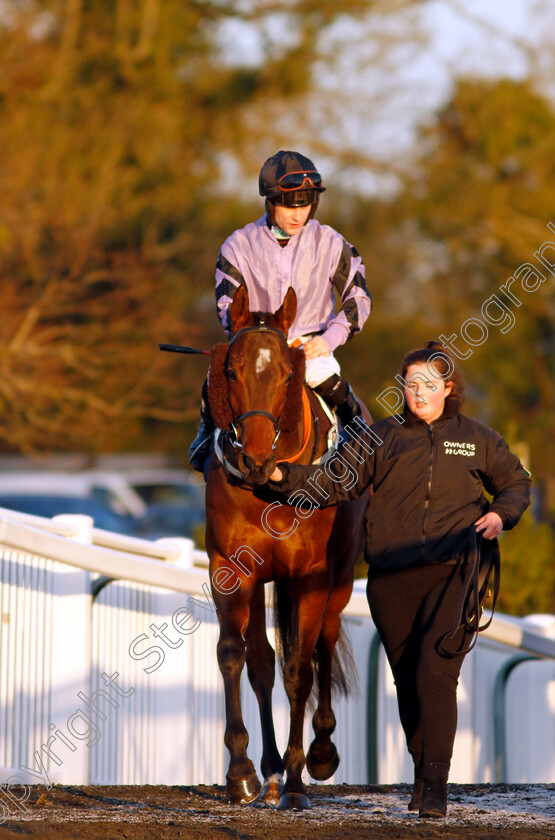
x,y
343,667
283,620
343,672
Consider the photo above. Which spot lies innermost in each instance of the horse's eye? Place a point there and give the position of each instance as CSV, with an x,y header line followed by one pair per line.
x,y
231,375
289,377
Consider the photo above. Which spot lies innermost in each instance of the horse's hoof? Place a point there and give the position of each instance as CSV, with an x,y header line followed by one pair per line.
x,y
272,789
241,791
293,802
322,766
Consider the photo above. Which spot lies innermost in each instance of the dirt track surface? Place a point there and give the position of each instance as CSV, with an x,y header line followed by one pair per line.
x,y
345,812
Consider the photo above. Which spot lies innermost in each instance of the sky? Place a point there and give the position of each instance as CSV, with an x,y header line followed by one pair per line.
x,y
375,109
481,39
460,44
466,37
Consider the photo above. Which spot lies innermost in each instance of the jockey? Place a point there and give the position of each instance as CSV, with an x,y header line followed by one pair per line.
x,y
288,247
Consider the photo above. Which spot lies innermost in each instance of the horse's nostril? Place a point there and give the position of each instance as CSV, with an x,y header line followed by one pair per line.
x,y
268,467
245,463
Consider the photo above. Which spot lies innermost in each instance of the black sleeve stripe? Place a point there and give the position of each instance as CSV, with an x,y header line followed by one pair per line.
x,y
341,275
359,281
229,269
226,288
350,309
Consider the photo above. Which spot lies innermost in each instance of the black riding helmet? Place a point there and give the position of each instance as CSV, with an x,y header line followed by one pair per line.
x,y
290,179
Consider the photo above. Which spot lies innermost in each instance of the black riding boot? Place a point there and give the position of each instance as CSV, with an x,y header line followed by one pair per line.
x,y
434,795
434,799
417,790
338,394
200,448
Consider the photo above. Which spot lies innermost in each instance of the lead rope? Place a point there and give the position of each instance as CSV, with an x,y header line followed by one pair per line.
x,y
474,591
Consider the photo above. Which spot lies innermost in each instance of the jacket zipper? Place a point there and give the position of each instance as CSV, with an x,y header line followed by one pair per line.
x,y
428,489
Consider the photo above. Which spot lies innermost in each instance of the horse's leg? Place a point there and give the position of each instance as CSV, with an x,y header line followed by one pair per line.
x,y
261,670
297,676
322,759
243,784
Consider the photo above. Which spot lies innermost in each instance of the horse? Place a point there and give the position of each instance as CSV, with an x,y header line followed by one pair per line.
x,y
257,394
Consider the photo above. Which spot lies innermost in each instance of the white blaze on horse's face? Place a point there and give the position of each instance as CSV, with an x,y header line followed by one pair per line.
x,y
263,360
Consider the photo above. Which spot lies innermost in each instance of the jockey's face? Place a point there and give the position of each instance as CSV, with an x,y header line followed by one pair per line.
x,y
291,219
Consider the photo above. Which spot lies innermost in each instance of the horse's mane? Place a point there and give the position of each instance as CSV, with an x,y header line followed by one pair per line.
x,y
218,394
294,406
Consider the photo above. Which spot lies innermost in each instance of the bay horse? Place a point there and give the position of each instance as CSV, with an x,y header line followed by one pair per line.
x,y
256,392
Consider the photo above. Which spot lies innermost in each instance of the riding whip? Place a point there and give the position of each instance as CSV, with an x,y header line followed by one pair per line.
x,y
179,348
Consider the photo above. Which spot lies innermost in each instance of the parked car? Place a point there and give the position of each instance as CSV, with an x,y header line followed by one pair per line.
x,y
173,500
49,506
105,487
147,503
155,486
172,520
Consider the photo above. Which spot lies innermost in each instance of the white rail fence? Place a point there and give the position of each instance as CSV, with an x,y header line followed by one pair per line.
x,y
108,673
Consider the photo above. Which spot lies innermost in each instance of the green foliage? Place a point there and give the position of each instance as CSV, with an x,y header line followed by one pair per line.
x,y
117,122
473,212
527,568
130,141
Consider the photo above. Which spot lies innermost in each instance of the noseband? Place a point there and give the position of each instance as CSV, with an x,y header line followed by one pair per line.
x,y
237,422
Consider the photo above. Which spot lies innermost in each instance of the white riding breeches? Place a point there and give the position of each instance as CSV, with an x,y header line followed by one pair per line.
x,y
321,368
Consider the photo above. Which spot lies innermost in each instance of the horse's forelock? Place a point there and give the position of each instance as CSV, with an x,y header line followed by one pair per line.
x,y
254,319
218,394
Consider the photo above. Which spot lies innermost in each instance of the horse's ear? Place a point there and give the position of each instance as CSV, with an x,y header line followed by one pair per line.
x,y
287,311
239,310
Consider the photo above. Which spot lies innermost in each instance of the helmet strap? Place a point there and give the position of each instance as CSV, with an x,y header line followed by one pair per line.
x,y
313,209
270,213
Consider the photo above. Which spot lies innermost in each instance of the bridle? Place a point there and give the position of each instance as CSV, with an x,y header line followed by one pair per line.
x,y
256,412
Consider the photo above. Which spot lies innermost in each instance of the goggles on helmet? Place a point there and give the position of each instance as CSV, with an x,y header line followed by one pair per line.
x,y
297,180
295,198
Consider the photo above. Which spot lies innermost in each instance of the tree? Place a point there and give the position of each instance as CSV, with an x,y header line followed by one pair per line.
x,y
120,123
527,569
473,215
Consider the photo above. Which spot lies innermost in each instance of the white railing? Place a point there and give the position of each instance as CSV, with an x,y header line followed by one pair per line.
x,y
79,605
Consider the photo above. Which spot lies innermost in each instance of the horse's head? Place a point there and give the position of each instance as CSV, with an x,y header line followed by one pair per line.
x,y
258,367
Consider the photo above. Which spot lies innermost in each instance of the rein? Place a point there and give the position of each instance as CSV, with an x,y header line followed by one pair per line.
x,y
228,466
306,430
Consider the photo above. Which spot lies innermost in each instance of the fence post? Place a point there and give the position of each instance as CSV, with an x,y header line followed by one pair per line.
x,y
70,658
372,696
185,547
500,714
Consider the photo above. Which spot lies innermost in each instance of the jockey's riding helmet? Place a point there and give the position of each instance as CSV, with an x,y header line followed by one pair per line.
x,y
290,179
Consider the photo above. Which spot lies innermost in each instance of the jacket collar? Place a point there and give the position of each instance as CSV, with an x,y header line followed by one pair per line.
x,y
449,410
